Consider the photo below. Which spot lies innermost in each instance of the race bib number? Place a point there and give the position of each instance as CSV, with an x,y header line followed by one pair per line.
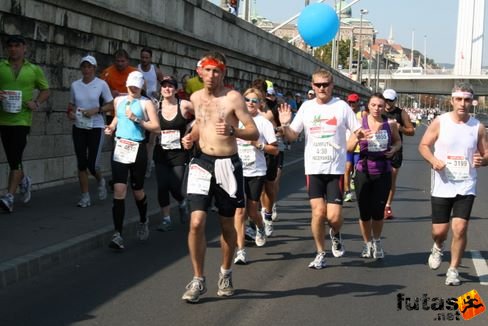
x,y
198,180
170,139
12,101
323,151
82,121
378,142
125,151
247,155
457,168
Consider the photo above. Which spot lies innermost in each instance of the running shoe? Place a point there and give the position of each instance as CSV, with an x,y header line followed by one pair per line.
x,y
84,201
102,189
319,261
268,223
25,188
337,244
378,252
367,250
388,215
194,290
352,186
240,257
117,242
260,237
435,258
183,211
274,214
165,225
225,285
348,196
142,231
452,277
250,233
7,202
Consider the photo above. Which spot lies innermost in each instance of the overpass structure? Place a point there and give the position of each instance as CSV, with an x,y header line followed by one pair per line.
x,y
432,82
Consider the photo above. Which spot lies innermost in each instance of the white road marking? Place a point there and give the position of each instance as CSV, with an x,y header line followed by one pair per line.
x,y
480,266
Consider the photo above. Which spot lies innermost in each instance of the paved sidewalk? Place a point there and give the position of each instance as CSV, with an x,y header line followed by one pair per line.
x,y
50,230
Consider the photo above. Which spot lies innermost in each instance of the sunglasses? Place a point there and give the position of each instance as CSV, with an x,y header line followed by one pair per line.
x,y
252,100
352,102
324,85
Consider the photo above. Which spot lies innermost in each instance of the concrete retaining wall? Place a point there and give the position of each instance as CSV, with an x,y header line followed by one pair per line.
x,y
60,32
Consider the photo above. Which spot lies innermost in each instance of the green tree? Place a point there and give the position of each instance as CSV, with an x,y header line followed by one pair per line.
x,y
324,53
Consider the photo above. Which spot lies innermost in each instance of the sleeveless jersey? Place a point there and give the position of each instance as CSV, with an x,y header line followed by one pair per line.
x,y
456,144
372,158
151,80
168,149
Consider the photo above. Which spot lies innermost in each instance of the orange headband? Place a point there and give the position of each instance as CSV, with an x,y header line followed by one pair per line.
x,y
211,62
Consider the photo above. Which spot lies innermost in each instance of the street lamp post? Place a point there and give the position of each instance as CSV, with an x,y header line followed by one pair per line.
x,y
362,12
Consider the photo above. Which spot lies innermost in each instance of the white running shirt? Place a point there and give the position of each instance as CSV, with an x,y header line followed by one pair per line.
x,y
325,127
87,96
151,80
253,159
455,145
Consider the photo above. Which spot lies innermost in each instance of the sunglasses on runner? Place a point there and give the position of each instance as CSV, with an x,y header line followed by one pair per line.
x,y
324,85
252,100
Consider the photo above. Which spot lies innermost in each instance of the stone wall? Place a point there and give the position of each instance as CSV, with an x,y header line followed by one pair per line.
x,y
60,32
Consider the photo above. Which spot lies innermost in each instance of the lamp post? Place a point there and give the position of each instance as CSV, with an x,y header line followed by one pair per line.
x,y
362,12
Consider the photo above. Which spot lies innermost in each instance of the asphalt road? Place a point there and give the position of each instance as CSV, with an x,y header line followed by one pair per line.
x,y
144,284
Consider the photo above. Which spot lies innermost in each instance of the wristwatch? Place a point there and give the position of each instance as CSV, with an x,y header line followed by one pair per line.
x,y
231,131
137,120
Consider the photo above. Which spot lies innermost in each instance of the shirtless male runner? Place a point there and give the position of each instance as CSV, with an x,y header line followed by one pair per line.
x,y
216,170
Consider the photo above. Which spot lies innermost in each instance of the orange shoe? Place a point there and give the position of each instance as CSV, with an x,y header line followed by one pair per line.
x,y
388,213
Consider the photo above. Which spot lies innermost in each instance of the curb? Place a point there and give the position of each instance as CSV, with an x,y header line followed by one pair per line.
x,y
31,265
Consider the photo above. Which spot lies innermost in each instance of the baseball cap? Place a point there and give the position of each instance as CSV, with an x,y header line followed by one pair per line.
x,y
311,92
353,97
270,91
136,79
169,80
90,59
15,39
390,94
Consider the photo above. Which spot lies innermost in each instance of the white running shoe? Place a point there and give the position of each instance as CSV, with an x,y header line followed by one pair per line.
x,y
102,189
25,188
274,214
435,258
318,262
240,257
250,234
226,289
367,250
260,237
142,231
194,290
117,242
337,244
7,202
84,201
452,277
348,196
378,252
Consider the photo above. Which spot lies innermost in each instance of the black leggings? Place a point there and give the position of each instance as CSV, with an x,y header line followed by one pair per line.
x,y
372,193
88,147
14,140
170,180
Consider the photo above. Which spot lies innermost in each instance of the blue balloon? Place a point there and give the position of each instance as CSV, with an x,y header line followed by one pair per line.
x,y
318,24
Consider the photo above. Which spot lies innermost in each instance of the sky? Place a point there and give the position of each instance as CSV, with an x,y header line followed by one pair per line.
x,y
434,19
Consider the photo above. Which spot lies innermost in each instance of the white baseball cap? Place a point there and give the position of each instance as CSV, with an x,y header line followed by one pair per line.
x,y
135,79
90,59
390,94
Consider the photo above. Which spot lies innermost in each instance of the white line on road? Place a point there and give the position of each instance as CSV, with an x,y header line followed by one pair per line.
x,y
480,266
